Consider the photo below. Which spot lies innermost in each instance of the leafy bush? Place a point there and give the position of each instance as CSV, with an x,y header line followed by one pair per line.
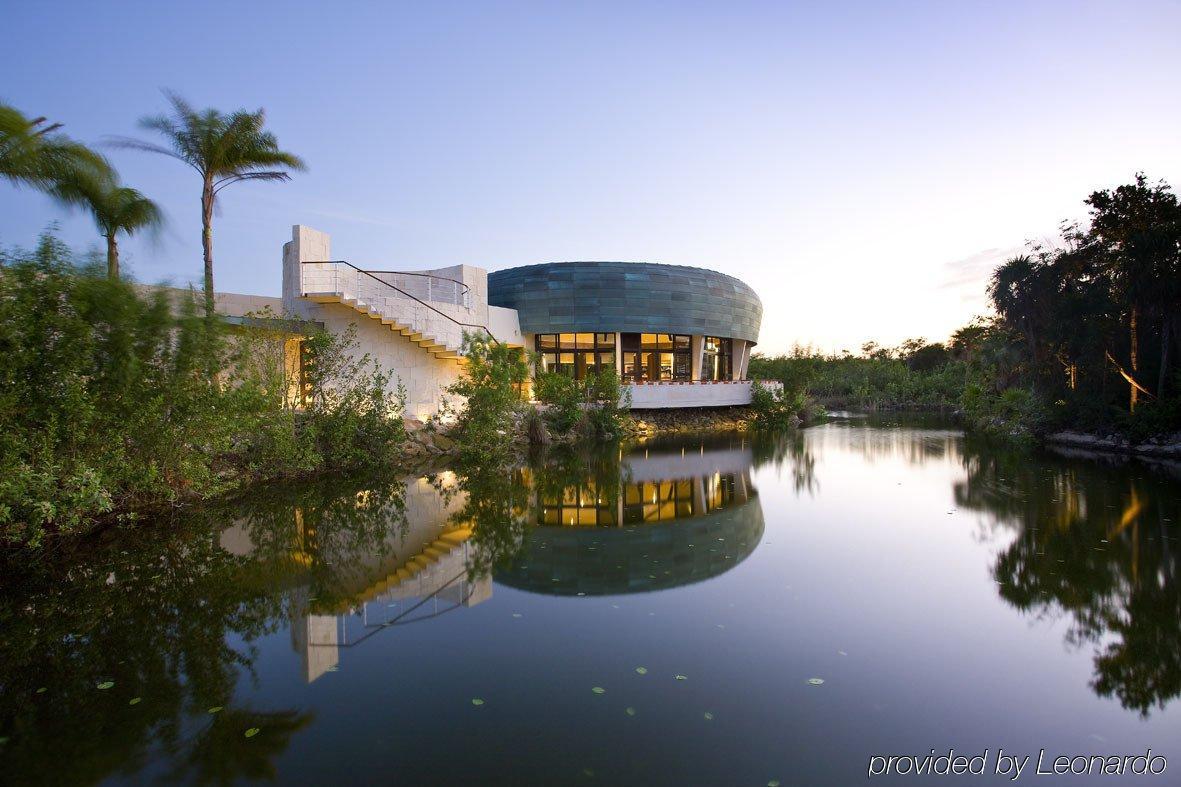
x,y
562,396
490,387
1012,413
777,408
110,400
589,408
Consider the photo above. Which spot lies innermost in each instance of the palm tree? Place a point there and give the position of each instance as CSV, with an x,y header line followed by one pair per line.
x,y
223,149
1139,228
116,209
32,153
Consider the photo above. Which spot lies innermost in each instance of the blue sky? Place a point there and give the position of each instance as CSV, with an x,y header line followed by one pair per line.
x,y
862,165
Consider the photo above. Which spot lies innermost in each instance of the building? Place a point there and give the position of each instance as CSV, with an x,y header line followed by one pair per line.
x,y
676,336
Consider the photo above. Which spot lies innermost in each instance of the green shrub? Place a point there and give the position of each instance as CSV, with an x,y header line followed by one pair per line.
x,y
110,400
490,387
590,408
775,408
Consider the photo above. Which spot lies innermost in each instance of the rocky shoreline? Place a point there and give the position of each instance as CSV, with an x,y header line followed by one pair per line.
x,y
1165,446
648,423
429,446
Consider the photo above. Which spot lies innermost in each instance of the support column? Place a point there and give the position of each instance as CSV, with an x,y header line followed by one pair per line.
x,y
696,350
740,358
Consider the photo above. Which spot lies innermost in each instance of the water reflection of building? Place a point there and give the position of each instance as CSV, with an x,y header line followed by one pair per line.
x,y
670,515
663,516
413,569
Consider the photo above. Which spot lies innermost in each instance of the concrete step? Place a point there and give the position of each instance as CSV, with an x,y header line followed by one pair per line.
x,y
397,323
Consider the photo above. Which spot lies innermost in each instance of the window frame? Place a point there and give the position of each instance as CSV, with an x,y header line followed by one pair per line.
x,y
576,354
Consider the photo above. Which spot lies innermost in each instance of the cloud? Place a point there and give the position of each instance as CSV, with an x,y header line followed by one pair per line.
x,y
969,276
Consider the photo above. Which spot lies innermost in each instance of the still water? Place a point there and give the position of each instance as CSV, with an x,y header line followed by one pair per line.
x,y
659,615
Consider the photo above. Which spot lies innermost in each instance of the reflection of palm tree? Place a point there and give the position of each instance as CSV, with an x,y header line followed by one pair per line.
x,y
152,616
1083,547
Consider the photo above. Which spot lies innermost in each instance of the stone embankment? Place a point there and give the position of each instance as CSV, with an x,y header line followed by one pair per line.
x,y
429,445
647,423
1166,446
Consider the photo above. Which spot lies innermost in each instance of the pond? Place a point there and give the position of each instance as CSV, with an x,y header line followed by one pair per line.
x,y
721,610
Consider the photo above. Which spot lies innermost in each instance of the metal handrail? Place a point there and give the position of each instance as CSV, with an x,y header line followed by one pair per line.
x,y
483,328
466,288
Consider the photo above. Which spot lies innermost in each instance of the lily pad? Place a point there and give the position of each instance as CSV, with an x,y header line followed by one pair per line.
x,y
773,783
708,716
641,670
477,701
681,677
516,614
630,711
215,709
599,690
250,733
816,681
106,684
135,700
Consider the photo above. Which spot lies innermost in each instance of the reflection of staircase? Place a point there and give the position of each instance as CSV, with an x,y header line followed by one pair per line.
x,y
437,565
432,328
435,559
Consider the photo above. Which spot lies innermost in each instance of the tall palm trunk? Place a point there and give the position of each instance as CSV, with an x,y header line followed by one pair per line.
x,y
207,242
112,256
1135,356
1166,337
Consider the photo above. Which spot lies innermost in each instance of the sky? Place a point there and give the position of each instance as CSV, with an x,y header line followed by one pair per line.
x,y
863,166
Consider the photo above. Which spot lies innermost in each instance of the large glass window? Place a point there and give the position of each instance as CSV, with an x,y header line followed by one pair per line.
x,y
648,357
576,354
717,359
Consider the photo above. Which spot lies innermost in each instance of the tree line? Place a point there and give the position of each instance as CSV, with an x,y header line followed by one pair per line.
x,y
1085,334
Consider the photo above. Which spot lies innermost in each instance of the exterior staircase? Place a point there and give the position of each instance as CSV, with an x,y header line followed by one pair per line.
x,y
428,325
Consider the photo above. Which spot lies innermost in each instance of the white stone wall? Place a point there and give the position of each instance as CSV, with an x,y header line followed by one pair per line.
x,y
505,326
424,376
652,396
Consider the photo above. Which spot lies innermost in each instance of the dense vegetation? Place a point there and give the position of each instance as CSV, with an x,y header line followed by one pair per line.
x,y
112,400
494,416
490,392
1085,336
587,409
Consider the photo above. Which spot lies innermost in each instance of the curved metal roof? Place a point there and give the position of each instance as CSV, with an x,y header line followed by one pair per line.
x,y
627,297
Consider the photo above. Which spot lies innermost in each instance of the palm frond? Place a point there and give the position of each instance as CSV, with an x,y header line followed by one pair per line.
x,y
229,180
35,154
